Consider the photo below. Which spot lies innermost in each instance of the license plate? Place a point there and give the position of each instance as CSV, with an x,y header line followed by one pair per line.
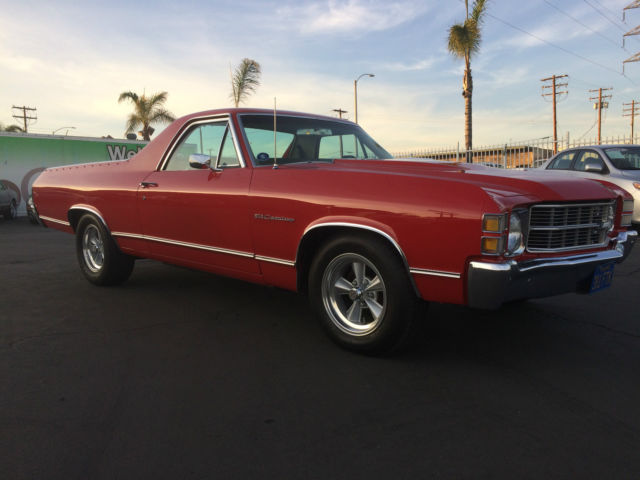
x,y
602,277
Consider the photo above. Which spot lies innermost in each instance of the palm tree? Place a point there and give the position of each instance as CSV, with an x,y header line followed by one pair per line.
x,y
147,111
464,40
11,128
244,80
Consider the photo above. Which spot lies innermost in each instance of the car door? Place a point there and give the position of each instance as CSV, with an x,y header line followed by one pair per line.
x,y
200,216
563,160
589,159
5,196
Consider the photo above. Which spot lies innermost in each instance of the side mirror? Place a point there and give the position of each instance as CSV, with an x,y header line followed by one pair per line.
x,y
593,168
199,161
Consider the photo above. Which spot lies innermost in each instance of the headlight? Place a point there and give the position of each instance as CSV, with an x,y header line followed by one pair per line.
x,y
515,240
627,212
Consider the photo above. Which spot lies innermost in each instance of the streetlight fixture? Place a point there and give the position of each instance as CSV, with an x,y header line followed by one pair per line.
x,y
62,128
355,91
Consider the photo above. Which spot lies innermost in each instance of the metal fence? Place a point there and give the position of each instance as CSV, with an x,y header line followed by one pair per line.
x,y
522,154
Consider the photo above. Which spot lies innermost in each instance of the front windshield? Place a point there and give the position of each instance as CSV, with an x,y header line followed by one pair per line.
x,y
304,139
624,158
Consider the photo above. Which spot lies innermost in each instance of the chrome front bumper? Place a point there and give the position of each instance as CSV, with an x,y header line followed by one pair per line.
x,y
492,284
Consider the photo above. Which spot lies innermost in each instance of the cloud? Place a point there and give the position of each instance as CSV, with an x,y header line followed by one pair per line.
x,y
351,17
424,64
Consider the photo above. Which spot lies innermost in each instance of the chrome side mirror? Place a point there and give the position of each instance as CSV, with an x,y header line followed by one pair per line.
x,y
199,161
593,168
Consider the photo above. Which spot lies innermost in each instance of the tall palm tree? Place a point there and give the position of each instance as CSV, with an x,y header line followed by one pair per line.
x,y
147,111
245,80
464,41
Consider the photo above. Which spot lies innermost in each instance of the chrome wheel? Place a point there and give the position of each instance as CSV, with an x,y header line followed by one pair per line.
x,y
354,294
13,211
93,248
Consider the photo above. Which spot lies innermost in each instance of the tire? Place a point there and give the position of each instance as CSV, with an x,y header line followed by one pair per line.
x,y
101,262
12,213
362,295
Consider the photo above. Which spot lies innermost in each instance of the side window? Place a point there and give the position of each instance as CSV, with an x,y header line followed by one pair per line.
x,y
331,147
2,187
590,158
228,156
204,139
261,144
563,161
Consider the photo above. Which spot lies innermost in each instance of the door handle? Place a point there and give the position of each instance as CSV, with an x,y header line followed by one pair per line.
x,y
148,184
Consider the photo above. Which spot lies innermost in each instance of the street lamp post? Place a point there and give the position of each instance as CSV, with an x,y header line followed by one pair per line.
x,y
62,128
355,91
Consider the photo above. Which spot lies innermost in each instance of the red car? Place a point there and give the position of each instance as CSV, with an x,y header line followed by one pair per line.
x,y
314,204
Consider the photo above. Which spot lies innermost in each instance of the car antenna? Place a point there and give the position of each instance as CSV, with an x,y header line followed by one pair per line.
x,y
275,157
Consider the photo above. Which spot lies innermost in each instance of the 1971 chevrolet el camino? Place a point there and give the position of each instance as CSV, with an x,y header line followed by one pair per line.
x,y
314,204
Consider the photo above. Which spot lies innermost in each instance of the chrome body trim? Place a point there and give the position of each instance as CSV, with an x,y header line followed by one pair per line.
x,y
489,284
199,121
90,210
363,227
434,273
360,226
184,244
54,220
278,261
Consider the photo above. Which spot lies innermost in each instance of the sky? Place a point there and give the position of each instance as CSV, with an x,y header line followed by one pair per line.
x,y
71,60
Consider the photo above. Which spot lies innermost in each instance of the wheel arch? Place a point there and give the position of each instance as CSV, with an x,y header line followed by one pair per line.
x,y
76,212
316,235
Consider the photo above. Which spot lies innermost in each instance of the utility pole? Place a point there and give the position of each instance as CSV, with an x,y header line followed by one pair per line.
x,y
600,105
630,110
556,90
339,111
24,115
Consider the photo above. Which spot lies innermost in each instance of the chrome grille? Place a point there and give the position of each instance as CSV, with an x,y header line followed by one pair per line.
x,y
558,228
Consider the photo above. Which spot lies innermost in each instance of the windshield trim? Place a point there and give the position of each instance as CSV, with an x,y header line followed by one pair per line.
x,y
301,116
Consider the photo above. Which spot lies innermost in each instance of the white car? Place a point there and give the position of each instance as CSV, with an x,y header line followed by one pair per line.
x,y
618,164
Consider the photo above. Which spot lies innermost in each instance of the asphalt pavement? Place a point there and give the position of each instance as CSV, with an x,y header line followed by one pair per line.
x,y
179,374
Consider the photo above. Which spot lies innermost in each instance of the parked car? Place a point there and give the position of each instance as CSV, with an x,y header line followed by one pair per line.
x,y
313,204
32,213
618,164
8,202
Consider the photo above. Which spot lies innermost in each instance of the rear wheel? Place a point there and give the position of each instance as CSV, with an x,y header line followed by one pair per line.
x,y
101,262
12,213
362,295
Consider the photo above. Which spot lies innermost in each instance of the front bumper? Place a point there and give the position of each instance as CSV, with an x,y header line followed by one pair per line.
x,y
492,284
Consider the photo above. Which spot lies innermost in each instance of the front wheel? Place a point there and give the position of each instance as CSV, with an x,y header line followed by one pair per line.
x,y
361,292
101,262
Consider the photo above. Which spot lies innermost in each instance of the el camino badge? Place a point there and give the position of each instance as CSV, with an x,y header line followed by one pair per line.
x,y
262,216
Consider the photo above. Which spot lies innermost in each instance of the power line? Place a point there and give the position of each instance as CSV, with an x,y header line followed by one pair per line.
x,y
581,23
577,55
25,116
603,15
556,90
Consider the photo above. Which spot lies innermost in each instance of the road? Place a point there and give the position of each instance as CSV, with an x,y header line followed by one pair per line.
x,y
180,374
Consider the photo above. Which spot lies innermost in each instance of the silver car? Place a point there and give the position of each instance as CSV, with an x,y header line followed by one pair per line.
x,y
618,164
8,202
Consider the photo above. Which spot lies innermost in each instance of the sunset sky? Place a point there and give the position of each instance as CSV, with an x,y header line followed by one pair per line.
x,y
71,60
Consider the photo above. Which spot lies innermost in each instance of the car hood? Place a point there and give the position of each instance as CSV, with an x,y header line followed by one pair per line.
x,y
630,174
533,185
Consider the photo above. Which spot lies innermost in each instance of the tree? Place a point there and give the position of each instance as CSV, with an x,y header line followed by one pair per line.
x,y
245,80
11,128
464,41
147,111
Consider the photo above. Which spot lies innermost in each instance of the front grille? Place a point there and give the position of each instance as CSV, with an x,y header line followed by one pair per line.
x,y
558,228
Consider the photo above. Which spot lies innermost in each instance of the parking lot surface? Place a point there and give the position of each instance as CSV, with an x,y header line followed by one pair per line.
x,y
181,374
